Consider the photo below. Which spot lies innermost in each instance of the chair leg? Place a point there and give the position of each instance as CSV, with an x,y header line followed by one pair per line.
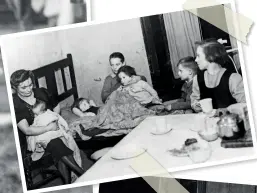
x,y
29,179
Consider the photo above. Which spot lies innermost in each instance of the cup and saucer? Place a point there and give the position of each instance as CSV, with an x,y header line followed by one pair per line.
x,y
207,108
160,126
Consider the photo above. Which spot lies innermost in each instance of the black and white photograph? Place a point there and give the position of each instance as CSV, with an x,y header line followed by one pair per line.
x,y
24,15
19,16
88,99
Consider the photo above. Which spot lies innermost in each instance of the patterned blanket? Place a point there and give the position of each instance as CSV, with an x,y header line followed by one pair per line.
x,y
118,116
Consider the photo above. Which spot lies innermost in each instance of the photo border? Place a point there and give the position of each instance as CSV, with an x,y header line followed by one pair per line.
x,y
193,166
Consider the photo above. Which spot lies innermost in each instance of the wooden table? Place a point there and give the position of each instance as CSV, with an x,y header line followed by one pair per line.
x,y
108,169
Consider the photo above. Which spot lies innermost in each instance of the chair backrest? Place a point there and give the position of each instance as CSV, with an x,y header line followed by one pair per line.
x,y
59,78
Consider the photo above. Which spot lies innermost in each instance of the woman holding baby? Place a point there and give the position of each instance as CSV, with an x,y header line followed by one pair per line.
x,y
24,98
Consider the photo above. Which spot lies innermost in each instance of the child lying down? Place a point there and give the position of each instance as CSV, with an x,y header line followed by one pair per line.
x,y
38,143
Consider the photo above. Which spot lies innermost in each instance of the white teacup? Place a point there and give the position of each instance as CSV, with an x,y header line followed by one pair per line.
x,y
206,105
160,124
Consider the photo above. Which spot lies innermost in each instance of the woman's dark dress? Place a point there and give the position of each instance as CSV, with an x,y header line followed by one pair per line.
x,y
24,111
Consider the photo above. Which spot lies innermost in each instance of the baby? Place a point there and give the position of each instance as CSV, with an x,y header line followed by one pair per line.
x,y
140,90
43,117
83,107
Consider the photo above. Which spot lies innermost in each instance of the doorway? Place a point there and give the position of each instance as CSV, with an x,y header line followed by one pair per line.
x,y
156,44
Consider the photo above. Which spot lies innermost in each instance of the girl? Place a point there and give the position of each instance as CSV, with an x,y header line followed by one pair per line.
x,y
83,107
140,90
214,81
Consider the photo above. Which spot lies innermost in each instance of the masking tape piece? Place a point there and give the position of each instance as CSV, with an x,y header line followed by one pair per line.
x,y
235,24
156,175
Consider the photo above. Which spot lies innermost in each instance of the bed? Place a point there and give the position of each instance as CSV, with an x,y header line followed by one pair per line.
x,y
59,79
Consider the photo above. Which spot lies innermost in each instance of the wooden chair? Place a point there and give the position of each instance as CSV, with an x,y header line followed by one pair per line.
x,y
40,169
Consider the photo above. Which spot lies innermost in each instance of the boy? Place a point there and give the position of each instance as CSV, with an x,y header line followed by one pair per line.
x,y
187,69
111,82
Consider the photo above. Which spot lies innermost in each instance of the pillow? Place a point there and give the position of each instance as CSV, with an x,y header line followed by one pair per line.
x,y
68,115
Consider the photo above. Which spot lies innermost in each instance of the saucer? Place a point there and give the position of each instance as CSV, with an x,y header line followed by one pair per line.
x,y
127,152
162,132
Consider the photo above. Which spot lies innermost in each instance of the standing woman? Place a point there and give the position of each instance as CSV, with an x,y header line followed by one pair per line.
x,y
213,80
24,97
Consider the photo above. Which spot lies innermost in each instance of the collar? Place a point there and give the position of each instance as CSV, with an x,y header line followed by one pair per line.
x,y
189,83
113,75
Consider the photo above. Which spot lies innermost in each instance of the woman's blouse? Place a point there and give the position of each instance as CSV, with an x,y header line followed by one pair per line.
x,y
236,86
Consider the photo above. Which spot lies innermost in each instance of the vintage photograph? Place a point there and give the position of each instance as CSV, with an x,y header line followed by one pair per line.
x,y
18,16
88,100
25,15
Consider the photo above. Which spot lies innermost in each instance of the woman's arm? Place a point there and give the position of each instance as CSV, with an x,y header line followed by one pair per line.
x,y
57,109
34,130
195,96
236,87
180,105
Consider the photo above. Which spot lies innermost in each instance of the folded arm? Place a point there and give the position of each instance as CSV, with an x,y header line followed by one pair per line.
x,y
35,130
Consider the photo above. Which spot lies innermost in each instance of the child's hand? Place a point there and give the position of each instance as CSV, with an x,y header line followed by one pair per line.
x,y
168,107
135,88
42,144
89,114
197,107
92,103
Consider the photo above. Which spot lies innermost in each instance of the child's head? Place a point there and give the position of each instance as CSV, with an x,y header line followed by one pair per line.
x,y
125,74
210,51
187,68
39,107
81,104
116,60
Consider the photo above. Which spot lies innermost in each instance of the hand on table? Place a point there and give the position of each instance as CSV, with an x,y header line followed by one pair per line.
x,y
238,109
220,112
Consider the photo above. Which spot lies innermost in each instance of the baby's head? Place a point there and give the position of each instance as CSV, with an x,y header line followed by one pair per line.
x,y
125,74
187,68
39,107
81,104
